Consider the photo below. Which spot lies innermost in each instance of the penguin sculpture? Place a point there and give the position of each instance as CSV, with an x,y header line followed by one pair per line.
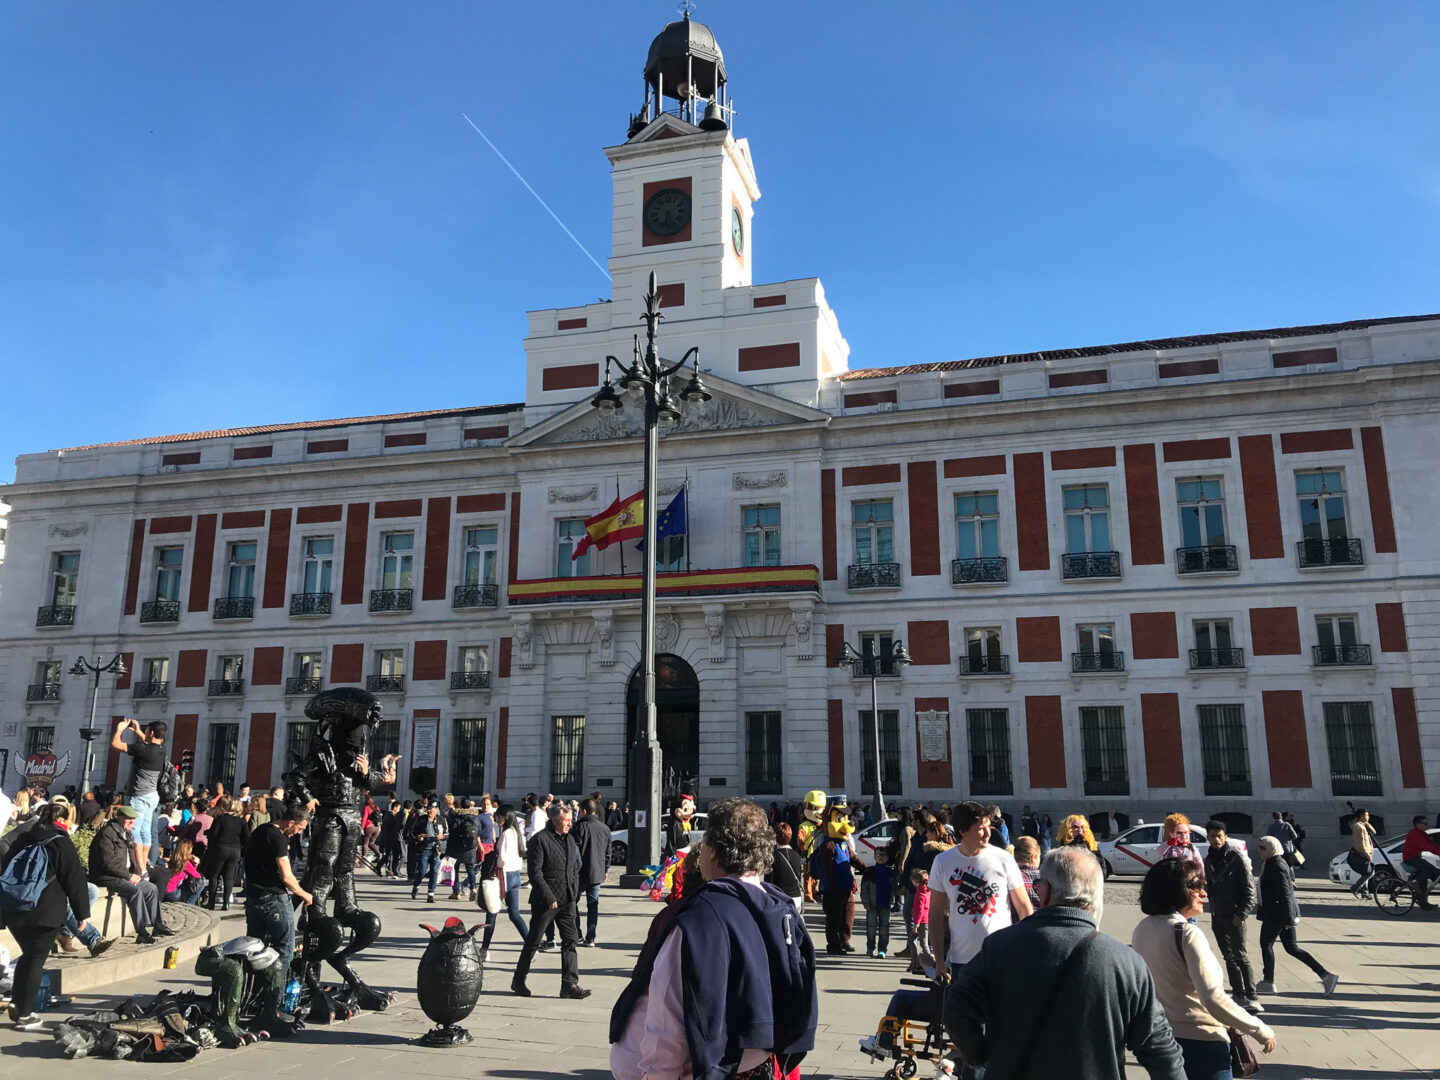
x,y
448,981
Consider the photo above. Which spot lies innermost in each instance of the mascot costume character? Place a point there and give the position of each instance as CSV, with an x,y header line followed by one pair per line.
x,y
333,780
809,834
677,832
835,868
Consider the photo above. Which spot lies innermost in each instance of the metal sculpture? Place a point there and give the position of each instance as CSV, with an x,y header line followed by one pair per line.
x,y
448,981
333,780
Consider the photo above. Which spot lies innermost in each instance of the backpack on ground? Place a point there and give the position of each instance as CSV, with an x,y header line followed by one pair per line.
x,y
168,785
25,877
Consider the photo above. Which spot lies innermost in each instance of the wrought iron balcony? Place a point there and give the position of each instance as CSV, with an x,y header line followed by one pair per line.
x,y
302,684
984,665
468,596
990,571
392,599
1097,661
150,690
1341,655
469,680
881,667
385,684
56,615
45,691
310,603
227,687
160,611
880,575
235,607
1331,552
1201,659
1090,564
1213,559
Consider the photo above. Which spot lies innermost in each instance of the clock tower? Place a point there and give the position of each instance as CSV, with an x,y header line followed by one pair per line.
x,y
684,186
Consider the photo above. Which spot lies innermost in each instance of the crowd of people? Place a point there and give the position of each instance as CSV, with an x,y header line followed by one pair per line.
x,y
1006,925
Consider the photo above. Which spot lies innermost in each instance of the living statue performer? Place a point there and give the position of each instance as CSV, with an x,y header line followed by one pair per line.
x,y
448,981
333,780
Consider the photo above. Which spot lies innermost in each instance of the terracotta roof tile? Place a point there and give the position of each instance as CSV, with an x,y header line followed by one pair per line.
x,y
1131,346
302,425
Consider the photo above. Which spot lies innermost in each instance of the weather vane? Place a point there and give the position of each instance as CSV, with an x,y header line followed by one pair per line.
x,y
685,8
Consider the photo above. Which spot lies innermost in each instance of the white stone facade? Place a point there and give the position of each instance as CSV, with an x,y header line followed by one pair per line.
x,y
790,427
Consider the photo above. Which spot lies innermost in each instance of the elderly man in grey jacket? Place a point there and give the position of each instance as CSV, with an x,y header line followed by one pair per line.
x,y
1052,996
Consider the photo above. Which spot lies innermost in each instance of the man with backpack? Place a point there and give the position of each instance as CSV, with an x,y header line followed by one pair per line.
x,y
462,840
40,883
150,765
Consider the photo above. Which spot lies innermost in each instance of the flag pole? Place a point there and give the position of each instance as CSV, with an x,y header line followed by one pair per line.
x,y
686,490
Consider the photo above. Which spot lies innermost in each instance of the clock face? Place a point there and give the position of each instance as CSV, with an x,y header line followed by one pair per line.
x,y
667,212
737,230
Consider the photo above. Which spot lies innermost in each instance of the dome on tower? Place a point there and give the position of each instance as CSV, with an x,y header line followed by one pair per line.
x,y
685,62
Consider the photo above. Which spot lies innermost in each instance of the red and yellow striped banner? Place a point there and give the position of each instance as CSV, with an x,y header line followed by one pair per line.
x,y
740,579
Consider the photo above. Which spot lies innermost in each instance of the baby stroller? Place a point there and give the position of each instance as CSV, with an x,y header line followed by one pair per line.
x,y
911,1031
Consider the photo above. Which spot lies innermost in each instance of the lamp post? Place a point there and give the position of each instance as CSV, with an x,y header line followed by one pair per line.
x,y
899,660
81,668
648,378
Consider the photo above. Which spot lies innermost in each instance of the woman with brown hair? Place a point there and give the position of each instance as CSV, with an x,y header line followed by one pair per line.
x,y
225,842
184,882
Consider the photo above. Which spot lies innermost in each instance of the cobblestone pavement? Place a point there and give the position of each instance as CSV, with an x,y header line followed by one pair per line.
x,y
1383,1021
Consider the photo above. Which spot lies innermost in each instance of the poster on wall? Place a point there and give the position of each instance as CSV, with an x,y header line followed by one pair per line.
x,y
934,730
42,769
424,736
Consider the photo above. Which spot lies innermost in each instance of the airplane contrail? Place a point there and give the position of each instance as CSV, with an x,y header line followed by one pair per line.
x,y
538,199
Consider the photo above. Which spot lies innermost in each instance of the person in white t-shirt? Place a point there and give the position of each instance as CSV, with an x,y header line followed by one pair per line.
x,y
974,885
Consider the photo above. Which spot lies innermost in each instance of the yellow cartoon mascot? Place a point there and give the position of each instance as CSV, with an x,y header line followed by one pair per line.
x,y
812,809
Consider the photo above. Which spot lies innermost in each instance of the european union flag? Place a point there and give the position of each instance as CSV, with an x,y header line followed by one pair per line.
x,y
672,520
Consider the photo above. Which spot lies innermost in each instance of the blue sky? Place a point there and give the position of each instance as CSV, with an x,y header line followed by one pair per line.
x,y
215,214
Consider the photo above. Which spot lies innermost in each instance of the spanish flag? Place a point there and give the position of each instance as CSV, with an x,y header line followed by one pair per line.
x,y
624,519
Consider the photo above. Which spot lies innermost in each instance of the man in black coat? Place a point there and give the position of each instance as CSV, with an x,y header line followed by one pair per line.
x,y
115,865
593,839
554,864
1232,898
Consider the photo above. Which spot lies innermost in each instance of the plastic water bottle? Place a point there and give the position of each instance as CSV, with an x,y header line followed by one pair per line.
x,y
292,997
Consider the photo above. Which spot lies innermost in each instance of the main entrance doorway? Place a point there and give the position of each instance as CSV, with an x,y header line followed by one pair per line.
x,y
677,720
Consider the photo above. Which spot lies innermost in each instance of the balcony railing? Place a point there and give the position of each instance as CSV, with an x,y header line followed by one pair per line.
x,y
45,691
879,575
1097,661
468,596
1201,659
227,687
1341,655
882,667
612,588
310,603
1090,564
150,690
385,684
990,571
1213,559
984,665
56,615
469,680
235,607
392,599
1331,552
302,684
160,611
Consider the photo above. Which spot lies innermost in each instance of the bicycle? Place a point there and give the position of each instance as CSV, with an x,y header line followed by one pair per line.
x,y
1398,893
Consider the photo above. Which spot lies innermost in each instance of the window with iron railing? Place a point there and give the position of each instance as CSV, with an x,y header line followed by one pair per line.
x,y
1224,754
1102,741
567,754
1354,756
224,754
298,736
467,757
762,753
889,751
989,744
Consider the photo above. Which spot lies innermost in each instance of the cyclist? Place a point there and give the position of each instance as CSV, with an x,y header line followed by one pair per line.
x,y
1412,859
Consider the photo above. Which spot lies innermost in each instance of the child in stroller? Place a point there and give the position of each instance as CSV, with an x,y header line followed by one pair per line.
x,y
911,1031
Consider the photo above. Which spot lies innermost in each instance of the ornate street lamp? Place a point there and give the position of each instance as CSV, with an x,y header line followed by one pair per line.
x,y
81,668
899,661
649,379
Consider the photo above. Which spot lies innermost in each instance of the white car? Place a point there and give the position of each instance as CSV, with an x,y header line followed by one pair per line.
x,y
1392,847
620,838
1139,848
875,836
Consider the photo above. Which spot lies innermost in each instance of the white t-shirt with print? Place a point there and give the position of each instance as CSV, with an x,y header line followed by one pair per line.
x,y
975,892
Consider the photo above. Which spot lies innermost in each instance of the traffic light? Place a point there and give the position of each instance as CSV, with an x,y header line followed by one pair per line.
x,y
187,759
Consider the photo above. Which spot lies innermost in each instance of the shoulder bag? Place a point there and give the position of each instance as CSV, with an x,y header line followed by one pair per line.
x,y
1042,1017
1242,1058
